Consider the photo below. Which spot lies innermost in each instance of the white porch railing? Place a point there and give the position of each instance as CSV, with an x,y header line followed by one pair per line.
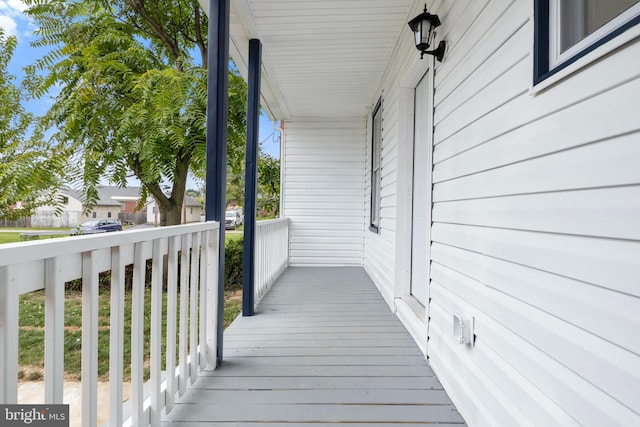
x,y
271,253
192,281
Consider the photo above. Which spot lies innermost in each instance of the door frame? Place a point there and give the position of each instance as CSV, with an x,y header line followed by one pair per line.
x,y
412,314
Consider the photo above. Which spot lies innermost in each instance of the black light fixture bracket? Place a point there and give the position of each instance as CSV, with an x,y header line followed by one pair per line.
x,y
437,52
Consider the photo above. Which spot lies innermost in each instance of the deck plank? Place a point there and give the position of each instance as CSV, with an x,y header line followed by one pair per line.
x,y
323,349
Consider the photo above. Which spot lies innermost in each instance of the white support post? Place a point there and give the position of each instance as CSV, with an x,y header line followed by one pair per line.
x,y
9,303
89,368
53,332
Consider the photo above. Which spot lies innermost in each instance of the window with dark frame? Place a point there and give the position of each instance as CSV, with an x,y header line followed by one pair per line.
x,y
567,30
376,161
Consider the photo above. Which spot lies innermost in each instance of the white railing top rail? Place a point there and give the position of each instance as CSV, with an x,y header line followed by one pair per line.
x,y
265,222
21,252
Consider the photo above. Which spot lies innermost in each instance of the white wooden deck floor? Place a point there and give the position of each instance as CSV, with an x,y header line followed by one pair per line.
x,y
322,349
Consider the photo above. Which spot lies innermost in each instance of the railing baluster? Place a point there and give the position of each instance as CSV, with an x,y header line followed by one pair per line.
x,y
184,329
172,306
9,324
193,316
211,311
89,340
202,353
116,335
156,331
137,335
53,332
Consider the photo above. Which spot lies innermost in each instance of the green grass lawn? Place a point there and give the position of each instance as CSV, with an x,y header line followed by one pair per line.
x,y
9,237
12,235
31,334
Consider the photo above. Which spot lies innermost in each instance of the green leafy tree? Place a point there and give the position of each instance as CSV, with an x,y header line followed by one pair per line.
x,y
29,169
268,200
133,91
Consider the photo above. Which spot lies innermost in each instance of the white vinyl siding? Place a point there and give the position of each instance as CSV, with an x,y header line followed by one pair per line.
x,y
536,223
323,192
536,229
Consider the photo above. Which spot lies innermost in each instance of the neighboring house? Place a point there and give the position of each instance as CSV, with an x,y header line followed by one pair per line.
x,y
111,202
500,186
191,211
68,214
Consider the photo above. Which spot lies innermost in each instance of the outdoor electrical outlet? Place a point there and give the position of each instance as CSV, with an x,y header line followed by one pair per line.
x,y
463,330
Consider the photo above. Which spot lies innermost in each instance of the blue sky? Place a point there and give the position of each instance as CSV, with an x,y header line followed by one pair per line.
x,y
14,22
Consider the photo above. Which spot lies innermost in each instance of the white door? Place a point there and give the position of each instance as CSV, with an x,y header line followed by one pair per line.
x,y
421,192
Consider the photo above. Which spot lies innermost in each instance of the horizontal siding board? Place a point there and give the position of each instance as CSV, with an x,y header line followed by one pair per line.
x,y
581,90
609,264
349,203
573,393
618,372
611,212
319,239
315,192
512,83
579,125
482,40
324,159
509,53
495,408
609,163
327,246
607,314
543,410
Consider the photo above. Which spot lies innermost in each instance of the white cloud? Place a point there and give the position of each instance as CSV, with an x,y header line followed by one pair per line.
x,y
12,7
9,25
12,18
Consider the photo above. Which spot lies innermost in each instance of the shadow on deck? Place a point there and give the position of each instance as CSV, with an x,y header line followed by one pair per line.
x,y
323,348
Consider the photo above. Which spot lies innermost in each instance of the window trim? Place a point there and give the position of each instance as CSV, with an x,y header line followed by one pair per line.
x,y
542,64
374,221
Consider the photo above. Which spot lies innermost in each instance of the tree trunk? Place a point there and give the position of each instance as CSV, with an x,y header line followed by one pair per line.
x,y
170,214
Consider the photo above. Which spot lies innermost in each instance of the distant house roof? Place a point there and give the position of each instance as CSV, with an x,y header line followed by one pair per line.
x,y
114,196
107,195
76,194
191,202
132,193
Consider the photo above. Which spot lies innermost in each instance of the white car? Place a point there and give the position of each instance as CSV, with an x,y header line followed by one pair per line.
x,y
232,219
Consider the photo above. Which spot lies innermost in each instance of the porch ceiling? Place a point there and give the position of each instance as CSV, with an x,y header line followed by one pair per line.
x,y
321,58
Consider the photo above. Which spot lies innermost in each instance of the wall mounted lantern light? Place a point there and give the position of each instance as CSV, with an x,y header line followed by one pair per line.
x,y
423,27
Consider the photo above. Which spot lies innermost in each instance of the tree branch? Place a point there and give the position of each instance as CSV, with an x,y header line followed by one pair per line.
x,y
158,30
202,45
